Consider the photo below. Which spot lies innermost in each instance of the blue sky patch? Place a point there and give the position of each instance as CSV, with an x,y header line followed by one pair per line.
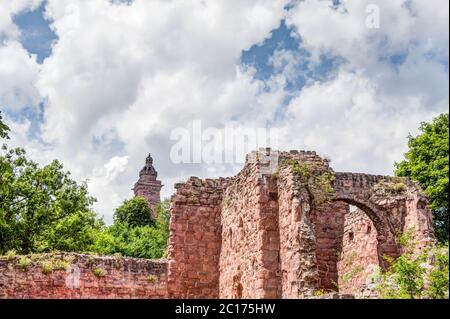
x,y
282,38
258,55
36,35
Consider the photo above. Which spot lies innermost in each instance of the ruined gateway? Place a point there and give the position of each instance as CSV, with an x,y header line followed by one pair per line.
x,y
259,234
286,226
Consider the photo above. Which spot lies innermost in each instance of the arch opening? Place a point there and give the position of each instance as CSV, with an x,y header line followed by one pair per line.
x,y
350,241
359,251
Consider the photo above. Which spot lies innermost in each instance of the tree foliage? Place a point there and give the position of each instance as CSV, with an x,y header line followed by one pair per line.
x,y
42,208
143,241
416,275
427,163
134,212
4,129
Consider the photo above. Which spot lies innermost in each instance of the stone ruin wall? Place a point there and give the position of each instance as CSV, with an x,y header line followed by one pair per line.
x,y
271,244
358,258
329,227
255,236
195,239
122,277
298,260
249,264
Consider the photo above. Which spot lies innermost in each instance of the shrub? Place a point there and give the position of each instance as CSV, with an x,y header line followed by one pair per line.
x,y
11,254
117,261
46,266
151,279
416,275
60,264
24,263
99,272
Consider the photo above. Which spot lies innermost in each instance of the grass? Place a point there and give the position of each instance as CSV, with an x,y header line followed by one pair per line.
x,y
151,279
46,267
11,254
99,272
24,263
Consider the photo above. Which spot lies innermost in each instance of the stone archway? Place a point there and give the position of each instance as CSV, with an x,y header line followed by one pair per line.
x,y
385,231
359,249
358,189
350,246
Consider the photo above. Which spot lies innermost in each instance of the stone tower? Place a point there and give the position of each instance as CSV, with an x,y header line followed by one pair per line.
x,y
148,186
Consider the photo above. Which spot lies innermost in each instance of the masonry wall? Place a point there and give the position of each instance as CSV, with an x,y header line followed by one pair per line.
x,y
195,239
298,262
255,235
249,264
75,278
329,232
358,257
418,218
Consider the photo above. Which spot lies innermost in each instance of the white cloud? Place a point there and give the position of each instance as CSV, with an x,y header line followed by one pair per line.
x,y
349,120
9,8
18,75
362,116
121,77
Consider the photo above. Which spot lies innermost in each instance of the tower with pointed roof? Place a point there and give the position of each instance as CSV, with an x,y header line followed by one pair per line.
x,y
147,185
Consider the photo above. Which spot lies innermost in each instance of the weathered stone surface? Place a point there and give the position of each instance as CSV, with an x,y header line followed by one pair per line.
x,y
118,278
255,235
268,242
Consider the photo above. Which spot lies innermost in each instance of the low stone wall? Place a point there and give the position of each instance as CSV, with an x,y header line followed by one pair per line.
x,y
68,275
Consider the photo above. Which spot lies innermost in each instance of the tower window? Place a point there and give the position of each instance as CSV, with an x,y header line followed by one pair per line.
x,y
350,236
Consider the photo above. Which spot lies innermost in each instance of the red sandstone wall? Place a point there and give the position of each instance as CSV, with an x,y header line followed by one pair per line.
x,y
297,245
250,240
418,217
358,259
251,236
121,278
298,263
195,239
329,230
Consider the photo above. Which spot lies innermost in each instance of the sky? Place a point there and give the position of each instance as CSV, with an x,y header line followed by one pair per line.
x,y
100,84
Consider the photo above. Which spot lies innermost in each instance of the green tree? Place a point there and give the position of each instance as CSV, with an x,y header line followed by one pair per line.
x,y
438,276
416,275
427,163
42,208
147,241
4,129
134,212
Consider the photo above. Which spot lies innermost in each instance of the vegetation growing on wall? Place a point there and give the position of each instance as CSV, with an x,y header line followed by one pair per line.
x,y
316,180
385,188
